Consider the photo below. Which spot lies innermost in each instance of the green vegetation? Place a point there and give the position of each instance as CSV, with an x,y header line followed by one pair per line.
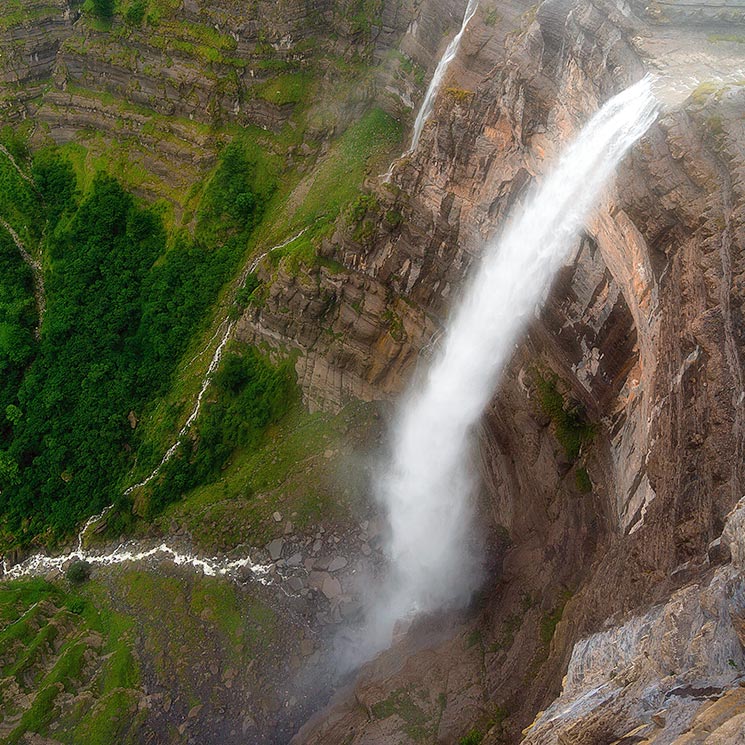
x,y
493,723
550,620
63,644
734,38
249,393
288,471
204,613
135,13
582,480
78,572
104,9
571,426
121,306
333,187
402,704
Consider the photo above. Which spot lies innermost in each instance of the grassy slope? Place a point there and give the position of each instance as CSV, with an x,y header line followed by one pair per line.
x,y
295,472
76,651
57,644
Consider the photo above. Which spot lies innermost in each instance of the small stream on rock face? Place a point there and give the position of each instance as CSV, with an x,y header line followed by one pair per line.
x,y
427,484
428,104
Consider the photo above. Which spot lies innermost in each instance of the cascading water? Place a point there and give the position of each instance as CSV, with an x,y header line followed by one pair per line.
x,y
434,86
427,485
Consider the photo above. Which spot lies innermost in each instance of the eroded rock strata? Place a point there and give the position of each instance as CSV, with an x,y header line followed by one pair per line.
x,y
643,328
612,606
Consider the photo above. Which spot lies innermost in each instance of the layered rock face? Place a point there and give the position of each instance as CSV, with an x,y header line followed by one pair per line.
x,y
161,88
643,329
601,560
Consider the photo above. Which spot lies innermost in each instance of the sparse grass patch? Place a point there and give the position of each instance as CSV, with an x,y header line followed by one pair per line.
x,y
402,704
71,644
571,426
551,619
582,480
287,88
288,472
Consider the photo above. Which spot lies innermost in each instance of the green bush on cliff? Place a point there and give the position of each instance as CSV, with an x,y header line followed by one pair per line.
x,y
103,9
570,423
135,13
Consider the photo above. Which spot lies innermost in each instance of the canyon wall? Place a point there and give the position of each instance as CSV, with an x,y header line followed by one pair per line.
x,y
611,555
642,333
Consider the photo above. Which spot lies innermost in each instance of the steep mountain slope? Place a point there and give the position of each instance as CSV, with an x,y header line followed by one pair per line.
x,y
612,456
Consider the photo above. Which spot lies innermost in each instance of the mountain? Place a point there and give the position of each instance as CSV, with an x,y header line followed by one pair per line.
x,y
242,146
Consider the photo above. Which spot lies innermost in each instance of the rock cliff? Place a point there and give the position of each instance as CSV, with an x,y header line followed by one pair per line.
x,y
642,329
612,608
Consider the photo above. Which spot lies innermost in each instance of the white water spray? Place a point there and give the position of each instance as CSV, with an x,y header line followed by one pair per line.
x,y
442,66
427,486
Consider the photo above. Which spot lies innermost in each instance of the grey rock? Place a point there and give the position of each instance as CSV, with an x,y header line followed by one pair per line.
x,y
331,587
295,584
317,579
275,548
336,564
295,560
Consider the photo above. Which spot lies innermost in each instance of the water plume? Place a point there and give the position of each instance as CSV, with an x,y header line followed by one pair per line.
x,y
426,486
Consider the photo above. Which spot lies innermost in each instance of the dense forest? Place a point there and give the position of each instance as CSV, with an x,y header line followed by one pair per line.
x,y
122,300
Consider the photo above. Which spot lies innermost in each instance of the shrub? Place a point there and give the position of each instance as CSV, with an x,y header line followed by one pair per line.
x,y
78,572
104,9
570,423
135,13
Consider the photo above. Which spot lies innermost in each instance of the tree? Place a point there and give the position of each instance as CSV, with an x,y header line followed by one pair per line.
x,y
78,572
104,9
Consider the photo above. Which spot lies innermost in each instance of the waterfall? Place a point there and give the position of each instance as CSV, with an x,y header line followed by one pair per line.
x,y
434,86
426,487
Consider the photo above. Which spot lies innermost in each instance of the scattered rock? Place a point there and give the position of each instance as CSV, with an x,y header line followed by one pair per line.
x,y
338,563
295,560
366,550
277,517
316,579
322,563
275,548
194,711
307,647
331,587
289,528
295,584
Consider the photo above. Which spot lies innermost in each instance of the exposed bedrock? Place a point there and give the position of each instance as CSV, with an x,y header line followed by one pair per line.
x,y
643,329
